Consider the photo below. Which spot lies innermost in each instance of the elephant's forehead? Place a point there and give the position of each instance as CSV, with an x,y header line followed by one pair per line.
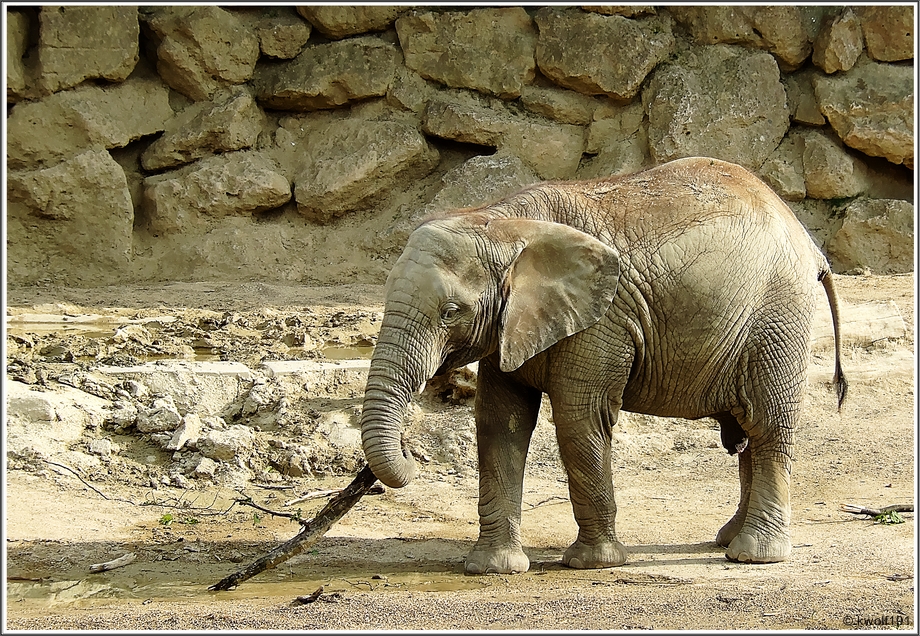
x,y
435,260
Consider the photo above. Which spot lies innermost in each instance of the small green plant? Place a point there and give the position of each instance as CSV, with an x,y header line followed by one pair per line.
x,y
889,518
190,521
166,519
256,518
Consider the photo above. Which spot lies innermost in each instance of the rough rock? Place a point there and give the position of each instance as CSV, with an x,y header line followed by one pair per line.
x,y
70,122
820,217
489,50
566,106
78,211
282,33
784,170
481,180
871,108
328,75
225,445
79,42
232,183
781,30
351,164
204,467
162,416
206,388
830,172
618,141
839,43
877,234
339,22
600,55
800,93
627,11
551,149
409,91
188,431
202,49
716,101
231,121
889,31
17,41
46,423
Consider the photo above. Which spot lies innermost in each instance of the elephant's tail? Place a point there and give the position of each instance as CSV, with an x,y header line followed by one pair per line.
x,y
840,380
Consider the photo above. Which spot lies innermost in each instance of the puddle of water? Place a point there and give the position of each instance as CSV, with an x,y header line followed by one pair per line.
x,y
147,584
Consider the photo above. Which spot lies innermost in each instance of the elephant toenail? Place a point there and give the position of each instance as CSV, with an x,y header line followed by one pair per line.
x,y
576,563
473,568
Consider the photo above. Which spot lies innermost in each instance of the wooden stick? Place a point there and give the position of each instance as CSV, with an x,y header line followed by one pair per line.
x,y
859,510
114,563
311,532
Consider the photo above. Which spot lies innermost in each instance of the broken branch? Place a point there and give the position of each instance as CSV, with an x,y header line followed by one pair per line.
x,y
114,563
875,512
311,532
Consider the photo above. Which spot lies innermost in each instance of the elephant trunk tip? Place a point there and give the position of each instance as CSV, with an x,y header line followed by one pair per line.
x,y
393,472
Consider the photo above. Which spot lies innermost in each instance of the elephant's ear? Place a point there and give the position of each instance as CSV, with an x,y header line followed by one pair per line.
x,y
560,283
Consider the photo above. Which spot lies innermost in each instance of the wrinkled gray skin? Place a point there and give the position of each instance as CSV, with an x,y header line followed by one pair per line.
x,y
683,291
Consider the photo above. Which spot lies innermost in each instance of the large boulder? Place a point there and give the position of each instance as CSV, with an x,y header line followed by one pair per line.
x,y
553,150
231,121
877,234
75,217
558,104
352,163
597,54
489,50
232,183
889,31
617,141
781,30
44,132
78,43
202,49
716,101
339,22
830,171
871,108
839,43
328,75
282,33
17,42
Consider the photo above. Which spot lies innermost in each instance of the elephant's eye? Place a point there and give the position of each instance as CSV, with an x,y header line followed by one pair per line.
x,y
449,311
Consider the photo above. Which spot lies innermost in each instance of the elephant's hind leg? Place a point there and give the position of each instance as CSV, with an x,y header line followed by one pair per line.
x,y
735,441
506,414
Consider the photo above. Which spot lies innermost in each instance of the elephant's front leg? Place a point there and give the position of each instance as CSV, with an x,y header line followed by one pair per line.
x,y
506,414
584,444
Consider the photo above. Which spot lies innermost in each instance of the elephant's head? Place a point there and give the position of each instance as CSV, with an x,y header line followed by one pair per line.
x,y
468,286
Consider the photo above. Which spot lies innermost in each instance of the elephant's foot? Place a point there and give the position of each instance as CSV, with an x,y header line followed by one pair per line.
x,y
756,548
497,561
730,530
605,554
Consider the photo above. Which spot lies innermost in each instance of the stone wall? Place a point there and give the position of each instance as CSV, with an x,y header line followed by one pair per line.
x,y
302,144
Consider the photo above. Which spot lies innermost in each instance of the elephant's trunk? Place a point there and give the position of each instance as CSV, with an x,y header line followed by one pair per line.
x,y
388,392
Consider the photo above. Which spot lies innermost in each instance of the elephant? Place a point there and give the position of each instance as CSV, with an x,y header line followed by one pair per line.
x,y
685,290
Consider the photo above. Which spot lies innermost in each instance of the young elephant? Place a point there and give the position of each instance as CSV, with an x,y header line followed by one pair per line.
x,y
683,291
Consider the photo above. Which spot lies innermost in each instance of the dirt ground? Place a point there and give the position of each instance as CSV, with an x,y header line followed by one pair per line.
x,y
396,560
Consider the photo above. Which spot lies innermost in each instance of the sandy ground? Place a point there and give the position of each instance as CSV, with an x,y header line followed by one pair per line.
x,y
396,560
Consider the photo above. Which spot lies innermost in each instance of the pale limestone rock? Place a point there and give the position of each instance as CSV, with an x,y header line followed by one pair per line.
x,y
328,75
339,22
839,43
889,31
871,108
600,55
202,49
84,42
231,121
877,234
489,50
716,101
